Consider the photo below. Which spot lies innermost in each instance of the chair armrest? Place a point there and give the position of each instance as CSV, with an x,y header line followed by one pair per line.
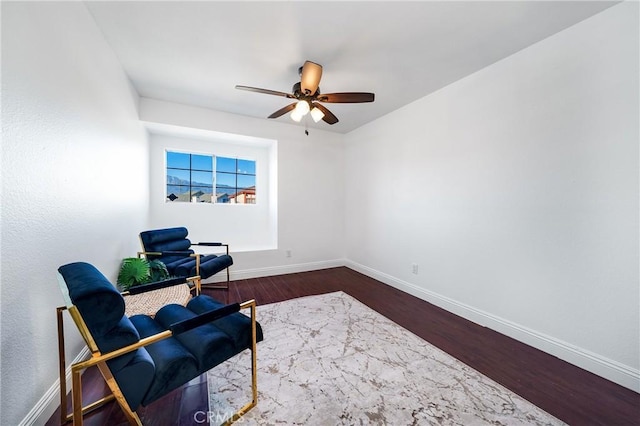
x,y
191,323
164,253
212,244
125,349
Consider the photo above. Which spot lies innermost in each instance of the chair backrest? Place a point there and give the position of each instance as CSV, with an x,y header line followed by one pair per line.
x,y
98,301
168,239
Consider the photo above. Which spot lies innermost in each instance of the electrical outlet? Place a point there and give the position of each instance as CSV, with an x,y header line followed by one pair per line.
x,y
414,268
287,253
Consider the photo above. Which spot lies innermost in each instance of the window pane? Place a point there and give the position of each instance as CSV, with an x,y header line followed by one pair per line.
x,y
177,189
178,177
225,179
201,194
246,181
246,167
177,193
222,197
203,189
201,178
224,164
245,196
229,190
202,162
177,160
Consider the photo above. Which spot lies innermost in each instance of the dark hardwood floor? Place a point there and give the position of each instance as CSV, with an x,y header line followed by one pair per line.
x,y
565,391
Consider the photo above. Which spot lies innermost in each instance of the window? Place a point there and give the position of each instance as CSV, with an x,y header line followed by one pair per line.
x,y
193,177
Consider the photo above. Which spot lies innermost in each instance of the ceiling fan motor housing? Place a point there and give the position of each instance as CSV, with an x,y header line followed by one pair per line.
x,y
310,76
299,94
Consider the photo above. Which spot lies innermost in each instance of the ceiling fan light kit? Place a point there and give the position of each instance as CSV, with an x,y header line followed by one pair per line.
x,y
308,97
296,116
302,107
316,114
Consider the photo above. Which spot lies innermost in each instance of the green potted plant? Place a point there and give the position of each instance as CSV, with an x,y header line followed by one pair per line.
x,y
158,270
136,271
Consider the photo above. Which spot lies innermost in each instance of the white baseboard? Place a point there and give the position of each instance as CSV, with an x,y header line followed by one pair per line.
x,y
278,270
47,405
597,364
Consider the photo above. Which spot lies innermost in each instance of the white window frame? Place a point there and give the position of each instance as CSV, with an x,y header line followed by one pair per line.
x,y
214,172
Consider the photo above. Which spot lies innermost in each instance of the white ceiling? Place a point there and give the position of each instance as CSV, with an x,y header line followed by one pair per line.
x,y
196,52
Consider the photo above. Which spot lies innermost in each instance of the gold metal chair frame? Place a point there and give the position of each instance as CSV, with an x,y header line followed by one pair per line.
x,y
197,256
98,359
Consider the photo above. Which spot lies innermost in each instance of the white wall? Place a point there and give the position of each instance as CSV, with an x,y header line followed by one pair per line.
x,y
74,182
310,192
515,191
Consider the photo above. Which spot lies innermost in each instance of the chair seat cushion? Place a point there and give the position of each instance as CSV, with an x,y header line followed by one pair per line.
x,y
237,325
209,265
184,356
133,377
212,264
207,343
174,364
181,267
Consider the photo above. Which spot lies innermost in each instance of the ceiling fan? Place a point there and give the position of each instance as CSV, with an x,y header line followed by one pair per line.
x,y
308,96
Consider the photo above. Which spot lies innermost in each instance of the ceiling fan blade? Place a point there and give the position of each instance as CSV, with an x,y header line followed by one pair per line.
x,y
283,111
328,118
310,77
265,91
347,97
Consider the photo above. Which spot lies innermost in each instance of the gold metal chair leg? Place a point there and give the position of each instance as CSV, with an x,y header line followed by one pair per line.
x,y
76,386
62,365
76,396
131,416
214,286
254,367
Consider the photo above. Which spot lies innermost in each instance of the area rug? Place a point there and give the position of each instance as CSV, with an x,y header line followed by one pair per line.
x,y
331,360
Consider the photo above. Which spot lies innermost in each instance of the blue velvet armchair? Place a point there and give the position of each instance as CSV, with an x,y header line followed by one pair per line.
x,y
143,358
174,249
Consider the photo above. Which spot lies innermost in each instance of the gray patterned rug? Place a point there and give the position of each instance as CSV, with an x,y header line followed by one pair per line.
x,y
330,360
